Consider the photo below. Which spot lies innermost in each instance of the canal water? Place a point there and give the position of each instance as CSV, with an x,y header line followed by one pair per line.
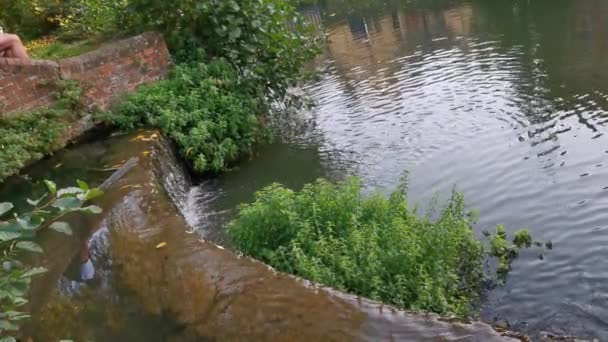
x,y
505,100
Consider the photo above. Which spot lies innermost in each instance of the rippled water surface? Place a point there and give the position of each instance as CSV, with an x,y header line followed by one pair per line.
x,y
506,100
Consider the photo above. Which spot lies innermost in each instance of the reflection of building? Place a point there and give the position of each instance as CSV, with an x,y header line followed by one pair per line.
x,y
372,45
458,21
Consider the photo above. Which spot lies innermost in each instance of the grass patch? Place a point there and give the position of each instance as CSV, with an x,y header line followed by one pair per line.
x,y
52,48
375,247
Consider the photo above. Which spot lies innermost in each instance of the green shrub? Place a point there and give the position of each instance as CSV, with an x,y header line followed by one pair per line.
x,y
265,39
203,108
25,137
16,234
28,137
374,247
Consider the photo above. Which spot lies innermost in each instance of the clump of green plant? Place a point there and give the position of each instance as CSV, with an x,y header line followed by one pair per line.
x,y
374,247
16,234
522,238
25,137
203,108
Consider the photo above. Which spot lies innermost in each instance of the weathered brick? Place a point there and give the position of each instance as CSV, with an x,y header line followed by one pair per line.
x,y
104,74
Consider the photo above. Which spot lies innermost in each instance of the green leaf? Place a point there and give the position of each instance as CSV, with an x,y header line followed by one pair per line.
x,y
8,339
6,325
34,272
28,223
14,315
34,203
51,186
93,193
84,186
71,191
92,209
62,227
29,246
67,203
8,236
5,207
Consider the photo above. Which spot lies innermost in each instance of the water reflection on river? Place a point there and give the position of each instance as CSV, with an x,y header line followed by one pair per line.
x,y
507,100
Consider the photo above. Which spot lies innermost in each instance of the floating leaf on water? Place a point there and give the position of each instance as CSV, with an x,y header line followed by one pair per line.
x,y
161,245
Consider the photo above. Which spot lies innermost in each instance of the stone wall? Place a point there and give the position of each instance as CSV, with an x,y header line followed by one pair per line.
x,y
104,74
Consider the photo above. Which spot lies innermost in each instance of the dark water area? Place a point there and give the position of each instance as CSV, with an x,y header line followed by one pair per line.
x,y
506,100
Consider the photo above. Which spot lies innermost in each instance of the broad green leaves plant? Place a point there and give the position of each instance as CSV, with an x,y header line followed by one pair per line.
x,y
374,247
16,234
203,108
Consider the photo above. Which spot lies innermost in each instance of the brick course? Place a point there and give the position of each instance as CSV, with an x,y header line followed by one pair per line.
x,y
104,74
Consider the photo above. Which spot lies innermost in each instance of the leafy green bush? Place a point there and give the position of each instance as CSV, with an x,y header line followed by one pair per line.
x,y
264,39
203,108
30,136
16,234
374,247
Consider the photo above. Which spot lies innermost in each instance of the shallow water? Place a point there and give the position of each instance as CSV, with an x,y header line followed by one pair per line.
x,y
507,101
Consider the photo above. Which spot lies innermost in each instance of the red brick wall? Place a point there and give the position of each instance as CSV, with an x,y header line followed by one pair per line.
x,y
26,85
104,74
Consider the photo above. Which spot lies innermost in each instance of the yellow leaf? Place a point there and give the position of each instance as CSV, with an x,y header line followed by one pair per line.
x,y
161,245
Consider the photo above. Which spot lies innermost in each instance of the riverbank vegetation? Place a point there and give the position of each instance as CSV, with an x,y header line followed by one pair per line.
x,y
375,247
25,137
205,108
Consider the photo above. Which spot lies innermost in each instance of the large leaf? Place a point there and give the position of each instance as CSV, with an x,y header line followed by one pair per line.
x,y
5,207
84,186
62,227
93,193
34,272
29,223
34,203
8,236
8,339
51,186
71,191
67,203
92,209
6,325
29,246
